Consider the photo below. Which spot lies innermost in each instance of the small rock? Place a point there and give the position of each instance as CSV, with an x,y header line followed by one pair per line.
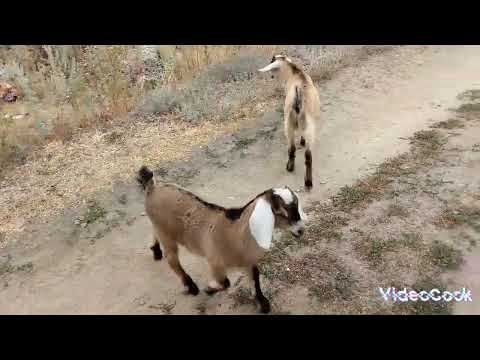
x,y
19,116
122,199
8,93
143,214
84,225
76,222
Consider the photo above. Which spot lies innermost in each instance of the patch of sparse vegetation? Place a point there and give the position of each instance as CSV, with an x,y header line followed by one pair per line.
x,y
397,210
330,278
411,240
243,296
7,267
428,307
444,256
468,108
463,215
426,144
449,124
373,249
5,263
166,308
470,95
94,213
326,226
349,196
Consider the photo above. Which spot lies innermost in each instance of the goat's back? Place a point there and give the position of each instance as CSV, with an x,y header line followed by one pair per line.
x,y
178,217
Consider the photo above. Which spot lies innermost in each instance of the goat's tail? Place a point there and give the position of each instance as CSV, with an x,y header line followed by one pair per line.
x,y
145,177
298,102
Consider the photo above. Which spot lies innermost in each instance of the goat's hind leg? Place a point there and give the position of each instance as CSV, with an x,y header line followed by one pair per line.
x,y
157,251
174,262
220,280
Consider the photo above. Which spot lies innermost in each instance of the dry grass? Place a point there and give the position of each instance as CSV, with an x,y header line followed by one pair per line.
x,y
449,124
64,174
461,216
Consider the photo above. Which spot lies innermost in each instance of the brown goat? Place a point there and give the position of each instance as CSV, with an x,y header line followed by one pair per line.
x,y
301,110
227,238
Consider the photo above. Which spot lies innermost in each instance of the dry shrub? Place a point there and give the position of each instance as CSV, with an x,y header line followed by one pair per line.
x,y
67,87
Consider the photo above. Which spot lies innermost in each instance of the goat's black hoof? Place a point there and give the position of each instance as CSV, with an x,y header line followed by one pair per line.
x,y
157,252
192,287
264,306
193,290
302,142
226,283
308,184
290,166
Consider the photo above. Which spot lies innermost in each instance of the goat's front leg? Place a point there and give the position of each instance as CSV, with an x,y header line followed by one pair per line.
x,y
290,135
264,303
308,172
220,280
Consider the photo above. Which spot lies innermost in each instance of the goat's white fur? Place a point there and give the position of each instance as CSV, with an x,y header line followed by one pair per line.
x,y
285,194
261,223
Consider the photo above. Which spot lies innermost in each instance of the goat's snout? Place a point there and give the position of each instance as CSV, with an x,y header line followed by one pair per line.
x,y
298,229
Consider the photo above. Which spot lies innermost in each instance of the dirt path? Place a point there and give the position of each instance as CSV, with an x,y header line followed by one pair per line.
x,y
109,269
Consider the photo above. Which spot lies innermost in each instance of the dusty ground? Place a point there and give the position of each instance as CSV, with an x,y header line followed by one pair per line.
x,y
94,258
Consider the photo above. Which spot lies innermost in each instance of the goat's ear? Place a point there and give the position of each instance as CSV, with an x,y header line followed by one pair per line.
x,y
261,223
274,65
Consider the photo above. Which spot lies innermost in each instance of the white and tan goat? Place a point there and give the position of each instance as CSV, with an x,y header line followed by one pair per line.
x,y
227,238
301,110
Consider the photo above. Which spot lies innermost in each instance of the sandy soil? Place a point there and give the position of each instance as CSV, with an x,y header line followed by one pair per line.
x,y
106,267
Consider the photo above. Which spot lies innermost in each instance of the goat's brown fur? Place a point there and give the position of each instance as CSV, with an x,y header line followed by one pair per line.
x,y
220,235
301,111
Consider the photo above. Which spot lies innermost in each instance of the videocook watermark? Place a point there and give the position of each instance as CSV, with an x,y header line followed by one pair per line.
x,y
391,294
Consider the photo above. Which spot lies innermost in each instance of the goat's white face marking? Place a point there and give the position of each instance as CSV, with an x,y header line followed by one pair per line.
x,y
285,194
261,223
